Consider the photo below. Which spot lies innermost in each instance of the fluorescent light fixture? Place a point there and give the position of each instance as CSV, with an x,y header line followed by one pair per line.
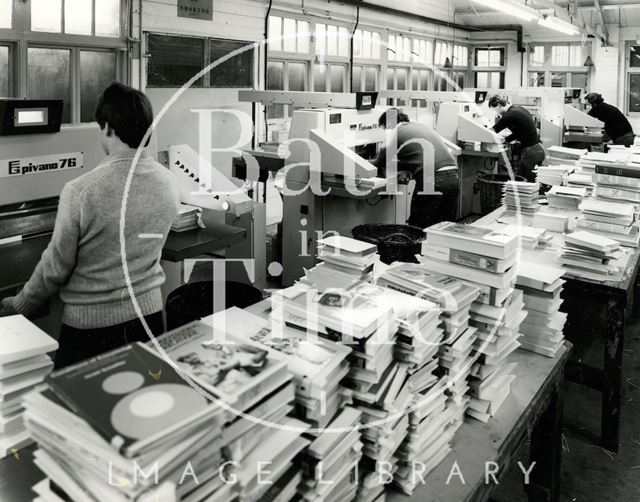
x,y
520,11
558,24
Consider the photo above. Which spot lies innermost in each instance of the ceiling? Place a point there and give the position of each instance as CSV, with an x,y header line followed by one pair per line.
x,y
623,13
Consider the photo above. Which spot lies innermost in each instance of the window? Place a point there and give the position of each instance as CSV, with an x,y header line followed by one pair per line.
x,y
423,51
536,55
366,44
329,77
632,105
333,40
289,35
489,79
5,71
634,92
52,66
460,56
174,60
566,55
275,82
76,17
489,58
236,71
634,56
536,78
399,49
489,67
6,6
441,53
365,78
97,70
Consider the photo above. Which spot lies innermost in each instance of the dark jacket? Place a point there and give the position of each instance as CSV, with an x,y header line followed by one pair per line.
x,y
615,123
521,124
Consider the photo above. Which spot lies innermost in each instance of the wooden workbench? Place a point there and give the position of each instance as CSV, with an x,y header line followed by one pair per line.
x,y
597,310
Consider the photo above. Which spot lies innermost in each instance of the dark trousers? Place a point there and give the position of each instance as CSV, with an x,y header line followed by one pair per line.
x,y
427,210
530,157
626,140
79,344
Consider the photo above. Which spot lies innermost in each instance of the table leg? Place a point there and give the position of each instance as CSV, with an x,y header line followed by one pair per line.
x,y
612,372
546,452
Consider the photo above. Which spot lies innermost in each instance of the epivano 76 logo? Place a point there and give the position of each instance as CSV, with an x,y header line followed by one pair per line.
x,y
45,163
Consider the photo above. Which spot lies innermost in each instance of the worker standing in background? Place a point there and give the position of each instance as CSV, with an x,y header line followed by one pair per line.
x,y
616,125
523,129
426,209
83,261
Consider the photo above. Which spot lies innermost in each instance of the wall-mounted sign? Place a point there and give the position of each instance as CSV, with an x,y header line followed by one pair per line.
x,y
196,9
41,164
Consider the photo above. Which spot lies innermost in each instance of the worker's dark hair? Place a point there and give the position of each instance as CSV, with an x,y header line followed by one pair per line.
x,y
126,111
495,101
392,116
593,98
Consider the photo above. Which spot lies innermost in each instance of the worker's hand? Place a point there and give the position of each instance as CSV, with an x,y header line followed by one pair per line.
x,y
6,307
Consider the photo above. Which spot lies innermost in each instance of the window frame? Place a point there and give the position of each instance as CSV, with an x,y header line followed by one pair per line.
x,y
547,68
502,69
629,71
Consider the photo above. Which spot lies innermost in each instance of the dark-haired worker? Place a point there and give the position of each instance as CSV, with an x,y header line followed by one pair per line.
x,y
426,209
523,129
616,125
82,263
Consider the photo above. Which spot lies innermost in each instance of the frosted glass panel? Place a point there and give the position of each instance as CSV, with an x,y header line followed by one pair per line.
x,y
297,76
48,77
46,15
77,17
303,37
320,77
4,71
275,33
338,77
6,12
371,79
108,18
97,70
290,35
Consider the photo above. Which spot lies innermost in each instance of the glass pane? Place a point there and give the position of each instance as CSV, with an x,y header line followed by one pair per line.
x,y
407,49
77,17
275,33
376,44
97,70
459,78
482,57
6,7
366,45
579,80
275,82
332,40
320,77
338,77
536,79
402,79
4,71
297,77
634,92
482,79
558,80
575,55
290,35
391,48
173,61
415,78
344,42
495,57
560,55
321,39
424,80
634,56
356,79
536,55
303,37
46,15
357,44
390,79
48,77
371,79
234,72
108,18
399,48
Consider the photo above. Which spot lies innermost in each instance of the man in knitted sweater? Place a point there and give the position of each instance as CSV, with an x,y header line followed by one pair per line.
x,y
83,261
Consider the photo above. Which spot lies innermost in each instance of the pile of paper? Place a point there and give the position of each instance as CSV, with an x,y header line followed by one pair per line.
x,y
588,251
553,175
496,317
345,262
613,220
541,286
330,463
189,217
566,197
589,162
561,154
581,180
520,196
552,221
103,419
618,182
23,365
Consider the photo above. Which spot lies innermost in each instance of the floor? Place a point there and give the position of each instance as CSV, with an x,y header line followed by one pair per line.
x,y
590,473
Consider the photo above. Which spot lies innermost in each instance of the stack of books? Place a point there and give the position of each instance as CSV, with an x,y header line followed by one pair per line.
x,y
564,155
330,463
617,182
496,323
520,196
345,262
613,220
566,197
253,387
541,286
589,162
102,422
586,251
552,221
23,365
317,365
553,175
189,217
581,180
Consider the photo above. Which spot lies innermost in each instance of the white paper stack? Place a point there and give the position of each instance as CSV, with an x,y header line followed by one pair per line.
x,y
542,330
566,197
613,220
520,196
188,218
588,251
581,180
551,221
553,175
23,365
561,154
589,162
345,262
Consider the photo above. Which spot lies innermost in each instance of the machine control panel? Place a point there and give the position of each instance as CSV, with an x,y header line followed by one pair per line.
x,y
29,116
